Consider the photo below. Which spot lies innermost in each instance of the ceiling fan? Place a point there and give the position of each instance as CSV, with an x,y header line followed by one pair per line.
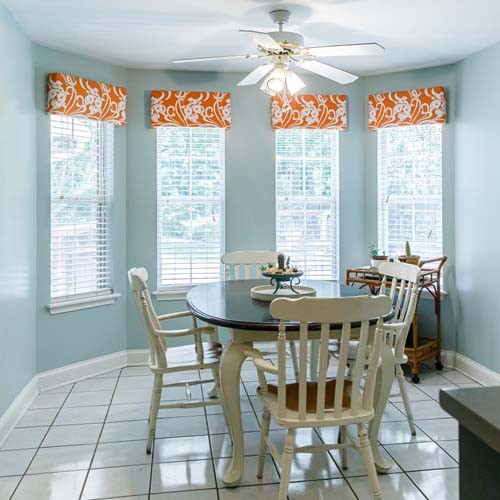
x,y
284,50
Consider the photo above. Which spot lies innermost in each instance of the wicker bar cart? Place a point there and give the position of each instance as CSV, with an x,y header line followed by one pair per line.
x,y
419,348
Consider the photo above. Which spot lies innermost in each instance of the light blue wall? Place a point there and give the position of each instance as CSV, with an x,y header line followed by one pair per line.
x,y
71,337
477,205
249,191
17,211
250,174
439,76
250,188
76,336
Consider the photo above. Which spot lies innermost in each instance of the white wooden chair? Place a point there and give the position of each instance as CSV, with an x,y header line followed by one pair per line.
x,y
403,292
245,264
400,283
164,360
341,401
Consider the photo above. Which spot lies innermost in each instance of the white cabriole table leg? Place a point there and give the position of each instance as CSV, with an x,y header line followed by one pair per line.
x,y
230,369
385,377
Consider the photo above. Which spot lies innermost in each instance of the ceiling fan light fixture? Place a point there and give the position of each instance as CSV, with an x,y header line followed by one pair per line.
x,y
282,81
294,83
275,82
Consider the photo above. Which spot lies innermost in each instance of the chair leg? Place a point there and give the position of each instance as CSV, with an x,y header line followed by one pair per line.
x,y
343,451
264,433
406,401
216,388
295,359
367,455
151,402
286,463
155,406
215,392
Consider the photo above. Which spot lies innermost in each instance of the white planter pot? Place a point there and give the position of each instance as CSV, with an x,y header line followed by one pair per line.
x,y
376,262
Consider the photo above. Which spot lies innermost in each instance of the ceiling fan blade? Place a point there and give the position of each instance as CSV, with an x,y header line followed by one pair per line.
x,y
335,74
264,39
256,75
355,49
216,58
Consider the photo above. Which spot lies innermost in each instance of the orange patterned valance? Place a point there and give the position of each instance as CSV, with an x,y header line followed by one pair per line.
x,y
309,111
176,108
407,107
75,96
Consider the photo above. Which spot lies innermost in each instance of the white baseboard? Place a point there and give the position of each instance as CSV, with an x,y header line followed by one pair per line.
x,y
135,357
17,408
474,370
65,375
82,370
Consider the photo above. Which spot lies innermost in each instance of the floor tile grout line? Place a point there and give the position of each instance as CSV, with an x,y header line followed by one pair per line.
x,y
276,468
446,451
214,470
330,454
418,470
406,474
40,443
97,442
111,421
153,450
254,411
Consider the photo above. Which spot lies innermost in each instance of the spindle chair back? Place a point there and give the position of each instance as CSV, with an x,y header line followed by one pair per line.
x,y
341,401
244,264
162,361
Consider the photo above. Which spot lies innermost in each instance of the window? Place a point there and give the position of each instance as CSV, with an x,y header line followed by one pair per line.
x,y
190,206
410,190
307,199
81,160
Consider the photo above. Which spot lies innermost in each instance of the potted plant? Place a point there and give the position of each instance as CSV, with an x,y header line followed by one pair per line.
x,y
409,258
375,257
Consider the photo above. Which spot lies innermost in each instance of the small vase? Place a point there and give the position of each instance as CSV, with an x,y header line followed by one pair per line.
x,y
375,261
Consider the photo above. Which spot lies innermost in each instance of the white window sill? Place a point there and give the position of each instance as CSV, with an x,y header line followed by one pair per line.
x,y
69,305
177,294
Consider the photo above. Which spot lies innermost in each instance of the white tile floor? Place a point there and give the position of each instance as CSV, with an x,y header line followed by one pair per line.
x,y
87,441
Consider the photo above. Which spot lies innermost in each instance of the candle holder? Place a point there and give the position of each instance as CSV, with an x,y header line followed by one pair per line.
x,y
283,279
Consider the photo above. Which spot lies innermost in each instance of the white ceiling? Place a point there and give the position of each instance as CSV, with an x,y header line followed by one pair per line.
x,y
151,33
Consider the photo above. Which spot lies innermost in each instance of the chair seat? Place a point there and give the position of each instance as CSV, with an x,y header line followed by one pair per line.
x,y
186,355
292,395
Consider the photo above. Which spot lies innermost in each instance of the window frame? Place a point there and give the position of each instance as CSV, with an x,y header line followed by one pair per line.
x,y
335,188
179,291
103,203
383,240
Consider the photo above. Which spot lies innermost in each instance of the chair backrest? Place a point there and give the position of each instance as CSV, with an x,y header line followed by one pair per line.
x,y
354,313
246,264
400,282
138,278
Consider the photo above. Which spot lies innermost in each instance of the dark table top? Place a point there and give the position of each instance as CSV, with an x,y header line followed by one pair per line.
x,y
477,409
228,303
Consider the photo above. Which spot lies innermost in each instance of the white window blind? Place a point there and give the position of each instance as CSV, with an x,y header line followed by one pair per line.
x,y
307,200
190,206
81,160
410,190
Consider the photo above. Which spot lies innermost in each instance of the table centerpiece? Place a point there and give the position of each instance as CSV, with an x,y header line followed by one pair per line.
x,y
284,281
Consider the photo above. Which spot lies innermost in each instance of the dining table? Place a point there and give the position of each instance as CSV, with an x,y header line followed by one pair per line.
x,y
228,304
